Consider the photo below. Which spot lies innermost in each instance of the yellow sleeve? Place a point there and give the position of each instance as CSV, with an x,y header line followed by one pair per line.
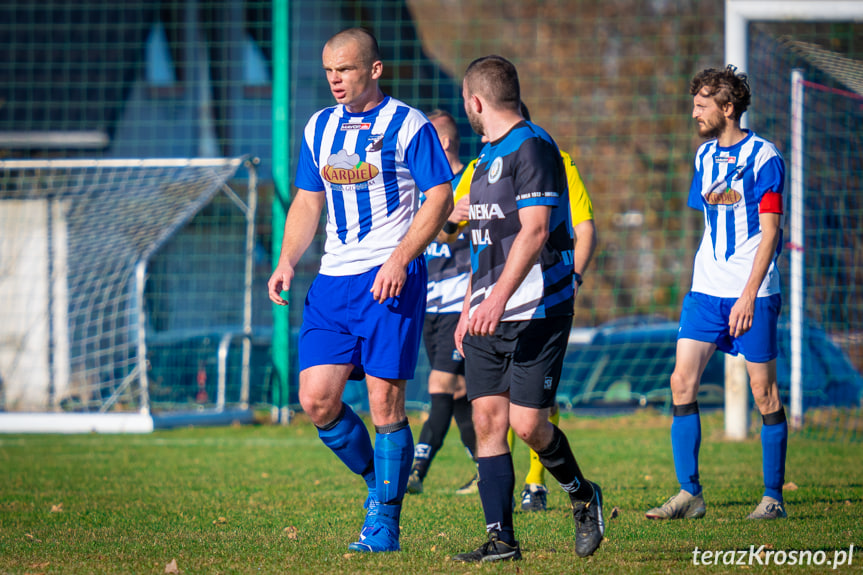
x,y
579,202
463,187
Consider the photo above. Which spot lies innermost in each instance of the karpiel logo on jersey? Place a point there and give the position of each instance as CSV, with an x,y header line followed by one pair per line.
x,y
720,194
344,168
727,198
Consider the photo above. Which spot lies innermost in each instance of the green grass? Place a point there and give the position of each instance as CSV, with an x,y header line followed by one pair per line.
x,y
224,500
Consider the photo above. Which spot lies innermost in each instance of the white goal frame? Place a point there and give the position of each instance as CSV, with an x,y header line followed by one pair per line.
x,y
738,15
142,421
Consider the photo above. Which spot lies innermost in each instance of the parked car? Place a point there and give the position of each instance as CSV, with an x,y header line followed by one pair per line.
x,y
629,362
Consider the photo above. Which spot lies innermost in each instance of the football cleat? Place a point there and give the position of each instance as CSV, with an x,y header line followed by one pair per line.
x,y
371,506
589,523
684,505
533,497
769,508
381,538
415,483
492,550
471,486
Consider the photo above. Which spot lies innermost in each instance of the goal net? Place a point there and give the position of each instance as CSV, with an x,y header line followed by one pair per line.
x,y
76,240
823,309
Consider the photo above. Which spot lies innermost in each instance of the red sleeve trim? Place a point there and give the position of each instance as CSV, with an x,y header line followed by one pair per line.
x,y
771,203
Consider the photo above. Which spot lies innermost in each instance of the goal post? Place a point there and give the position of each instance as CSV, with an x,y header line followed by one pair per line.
x,y
76,240
738,16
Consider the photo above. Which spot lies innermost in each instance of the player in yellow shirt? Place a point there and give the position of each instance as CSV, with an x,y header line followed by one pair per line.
x,y
533,496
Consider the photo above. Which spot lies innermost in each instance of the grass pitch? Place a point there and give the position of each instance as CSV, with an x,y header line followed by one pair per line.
x,y
272,499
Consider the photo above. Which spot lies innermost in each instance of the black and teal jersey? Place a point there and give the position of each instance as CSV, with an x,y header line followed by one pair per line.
x,y
448,270
521,169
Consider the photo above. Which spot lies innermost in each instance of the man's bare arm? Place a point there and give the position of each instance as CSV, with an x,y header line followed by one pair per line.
x,y
300,227
740,317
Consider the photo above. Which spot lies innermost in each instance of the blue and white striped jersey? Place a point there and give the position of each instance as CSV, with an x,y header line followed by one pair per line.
x,y
728,186
372,167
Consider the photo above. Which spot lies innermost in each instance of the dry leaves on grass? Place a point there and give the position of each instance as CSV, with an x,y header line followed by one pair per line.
x,y
32,538
220,521
57,508
790,486
291,533
172,567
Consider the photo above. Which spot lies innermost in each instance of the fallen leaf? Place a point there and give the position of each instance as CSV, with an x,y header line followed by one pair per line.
x,y
317,482
220,520
172,567
291,533
347,555
265,475
434,548
30,537
40,565
441,534
648,477
790,486
847,502
615,511
57,508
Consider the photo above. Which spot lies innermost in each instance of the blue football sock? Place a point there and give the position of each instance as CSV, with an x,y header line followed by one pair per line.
x,y
774,446
685,443
496,484
394,450
349,439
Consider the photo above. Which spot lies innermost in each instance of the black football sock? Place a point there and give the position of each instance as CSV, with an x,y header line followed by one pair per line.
x,y
463,413
433,432
558,459
496,484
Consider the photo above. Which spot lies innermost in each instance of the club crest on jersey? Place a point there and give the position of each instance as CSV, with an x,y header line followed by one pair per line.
x,y
376,143
738,172
344,168
495,170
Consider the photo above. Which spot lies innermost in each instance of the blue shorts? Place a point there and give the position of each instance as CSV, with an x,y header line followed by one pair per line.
x,y
342,323
705,318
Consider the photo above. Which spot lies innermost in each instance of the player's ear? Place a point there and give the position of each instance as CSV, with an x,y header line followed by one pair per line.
x,y
377,69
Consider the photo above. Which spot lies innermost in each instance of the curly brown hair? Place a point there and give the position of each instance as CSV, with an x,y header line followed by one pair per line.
x,y
724,86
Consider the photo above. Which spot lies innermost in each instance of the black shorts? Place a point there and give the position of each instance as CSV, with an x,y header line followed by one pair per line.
x,y
439,338
522,357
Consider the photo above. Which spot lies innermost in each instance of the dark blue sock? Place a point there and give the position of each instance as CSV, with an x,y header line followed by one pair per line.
x,y
685,443
774,445
496,484
349,439
394,450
